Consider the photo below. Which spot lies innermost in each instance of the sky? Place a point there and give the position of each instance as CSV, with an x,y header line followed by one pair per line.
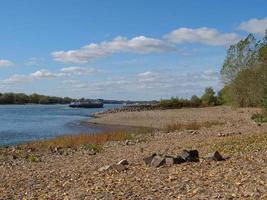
x,y
121,49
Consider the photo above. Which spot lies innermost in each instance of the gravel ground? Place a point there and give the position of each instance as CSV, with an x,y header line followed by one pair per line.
x,y
75,174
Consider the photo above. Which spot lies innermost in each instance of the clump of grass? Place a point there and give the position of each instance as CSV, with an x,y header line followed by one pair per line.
x,y
189,126
93,147
32,158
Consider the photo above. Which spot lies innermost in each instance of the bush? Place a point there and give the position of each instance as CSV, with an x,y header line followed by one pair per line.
x,y
195,101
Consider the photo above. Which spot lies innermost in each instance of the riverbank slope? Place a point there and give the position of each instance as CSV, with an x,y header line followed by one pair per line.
x,y
74,174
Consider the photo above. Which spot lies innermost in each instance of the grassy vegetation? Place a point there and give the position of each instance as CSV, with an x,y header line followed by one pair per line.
x,y
32,158
239,144
189,126
89,141
259,117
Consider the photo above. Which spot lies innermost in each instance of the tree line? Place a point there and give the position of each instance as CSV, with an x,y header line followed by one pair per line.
x,y
209,98
21,98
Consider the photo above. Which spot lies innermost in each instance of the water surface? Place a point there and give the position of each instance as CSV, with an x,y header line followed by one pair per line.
x,y
22,123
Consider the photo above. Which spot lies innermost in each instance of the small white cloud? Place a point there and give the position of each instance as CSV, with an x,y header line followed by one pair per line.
x,y
33,61
140,44
5,63
207,36
15,79
43,73
257,26
77,71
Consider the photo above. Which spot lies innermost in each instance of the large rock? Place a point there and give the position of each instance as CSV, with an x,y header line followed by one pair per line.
x,y
214,156
190,156
123,162
157,161
119,167
149,159
170,161
105,168
179,160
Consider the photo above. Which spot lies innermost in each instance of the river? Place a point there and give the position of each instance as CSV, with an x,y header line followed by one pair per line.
x,y
23,123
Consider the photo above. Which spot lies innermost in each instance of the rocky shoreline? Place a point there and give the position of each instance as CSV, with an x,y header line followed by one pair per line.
x,y
160,165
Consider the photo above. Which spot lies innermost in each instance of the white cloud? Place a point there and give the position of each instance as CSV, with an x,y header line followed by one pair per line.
x,y
257,26
43,73
146,85
140,44
15,79
33,61
207,36
5,63
77,71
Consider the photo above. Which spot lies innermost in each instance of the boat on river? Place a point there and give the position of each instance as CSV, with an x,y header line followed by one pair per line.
x,y
86,104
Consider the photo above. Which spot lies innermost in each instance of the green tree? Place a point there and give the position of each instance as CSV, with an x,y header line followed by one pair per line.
x,y
239,57
209,98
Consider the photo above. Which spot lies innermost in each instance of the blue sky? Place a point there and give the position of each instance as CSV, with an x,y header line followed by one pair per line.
x,y
120,49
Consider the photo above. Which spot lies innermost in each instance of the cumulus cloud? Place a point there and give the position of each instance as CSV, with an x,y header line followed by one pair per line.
x,y
77,71
140,44
146,85
5,63
207,36
144,45
43,73
257,26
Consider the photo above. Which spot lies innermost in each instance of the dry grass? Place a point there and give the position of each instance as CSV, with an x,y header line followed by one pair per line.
x,y
87,139
189,126
239,144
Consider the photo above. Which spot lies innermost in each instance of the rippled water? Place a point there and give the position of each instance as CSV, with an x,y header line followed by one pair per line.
x,y
22,123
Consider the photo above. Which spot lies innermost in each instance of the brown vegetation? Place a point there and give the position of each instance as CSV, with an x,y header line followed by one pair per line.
x,y
189,126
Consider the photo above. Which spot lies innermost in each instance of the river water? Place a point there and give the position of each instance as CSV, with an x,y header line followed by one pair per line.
x,y
23,123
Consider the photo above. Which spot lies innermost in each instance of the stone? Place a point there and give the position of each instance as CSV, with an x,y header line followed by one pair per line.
x,y
91,153
179,160
105,168
190,156
169,161
157,161
123,162
149,159
214,156
13,157
119,167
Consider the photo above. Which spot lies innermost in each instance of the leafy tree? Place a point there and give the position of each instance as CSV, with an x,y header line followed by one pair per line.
x,y
209,98
239,57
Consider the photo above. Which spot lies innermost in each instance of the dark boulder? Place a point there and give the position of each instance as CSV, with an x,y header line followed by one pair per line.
x,y
214,156
189,156
157,161
149,159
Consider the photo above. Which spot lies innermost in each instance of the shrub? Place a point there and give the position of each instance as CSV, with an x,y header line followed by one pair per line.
x,y
195,101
